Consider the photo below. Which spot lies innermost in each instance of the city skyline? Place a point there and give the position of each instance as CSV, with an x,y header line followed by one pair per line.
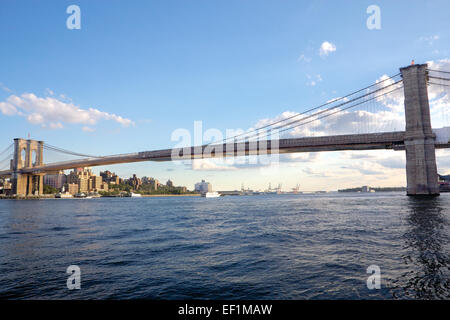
x,y
113,98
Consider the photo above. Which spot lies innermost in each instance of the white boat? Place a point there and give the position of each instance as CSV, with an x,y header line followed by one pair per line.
x,y
63,195
80,195
214,194
135,195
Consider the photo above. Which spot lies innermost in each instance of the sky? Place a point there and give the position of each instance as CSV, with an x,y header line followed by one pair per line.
x,y
135,74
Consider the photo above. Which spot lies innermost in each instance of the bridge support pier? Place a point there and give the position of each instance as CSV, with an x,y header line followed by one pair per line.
x,y
421,169
27,153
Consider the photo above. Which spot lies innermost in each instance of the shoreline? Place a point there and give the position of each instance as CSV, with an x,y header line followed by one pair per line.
x,y
52,196
170,195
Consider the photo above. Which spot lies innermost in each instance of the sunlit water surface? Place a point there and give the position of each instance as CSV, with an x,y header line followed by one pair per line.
x,y
248,247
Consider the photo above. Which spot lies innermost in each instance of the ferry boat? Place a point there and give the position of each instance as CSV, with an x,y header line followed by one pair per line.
x,y
214,194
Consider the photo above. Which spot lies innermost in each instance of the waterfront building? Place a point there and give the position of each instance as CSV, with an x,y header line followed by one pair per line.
x,y
72,188
135,182
56,181
83,184
110,177
97,182
169,183
203,187
5,186
104,187
154,183
86,180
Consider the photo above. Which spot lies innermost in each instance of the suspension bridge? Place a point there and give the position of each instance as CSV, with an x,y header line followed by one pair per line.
x,y
24,165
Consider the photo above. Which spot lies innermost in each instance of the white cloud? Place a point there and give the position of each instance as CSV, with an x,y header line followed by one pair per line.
x,y
50,112
326,48
304,58
429,39
313,80
317,173
209,165
7,109
300,157
5,88
87,129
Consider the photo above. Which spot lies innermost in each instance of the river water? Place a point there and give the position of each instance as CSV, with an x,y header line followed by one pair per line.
x,y
235,247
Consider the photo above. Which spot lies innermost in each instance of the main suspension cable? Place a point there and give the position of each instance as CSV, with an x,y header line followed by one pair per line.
x,y
60,150
439,84
6,149
340,110
441,71
327,110
307,111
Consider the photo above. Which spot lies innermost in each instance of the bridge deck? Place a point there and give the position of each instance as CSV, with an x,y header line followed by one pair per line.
x,y
371,141
386,140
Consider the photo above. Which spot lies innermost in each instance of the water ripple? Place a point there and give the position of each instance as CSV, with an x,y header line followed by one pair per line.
x,y
262,247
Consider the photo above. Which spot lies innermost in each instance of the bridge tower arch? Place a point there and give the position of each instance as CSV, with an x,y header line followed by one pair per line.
x,y
421,169
27,184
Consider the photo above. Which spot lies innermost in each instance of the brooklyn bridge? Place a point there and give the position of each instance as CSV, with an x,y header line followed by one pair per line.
x,y
418,139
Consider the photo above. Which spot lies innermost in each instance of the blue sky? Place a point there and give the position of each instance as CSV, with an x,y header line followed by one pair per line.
x,y
161,65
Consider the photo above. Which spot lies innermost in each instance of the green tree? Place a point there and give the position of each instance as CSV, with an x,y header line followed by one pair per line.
x,y
49,189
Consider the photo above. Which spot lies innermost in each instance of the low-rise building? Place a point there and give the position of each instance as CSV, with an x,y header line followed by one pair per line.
x,y
104,187
72,188
5,186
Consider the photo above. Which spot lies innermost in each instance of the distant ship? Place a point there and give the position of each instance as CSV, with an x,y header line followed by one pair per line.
x,y
214,194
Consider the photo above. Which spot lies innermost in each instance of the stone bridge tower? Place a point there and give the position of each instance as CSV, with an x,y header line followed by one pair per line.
x,y
421,170
27,154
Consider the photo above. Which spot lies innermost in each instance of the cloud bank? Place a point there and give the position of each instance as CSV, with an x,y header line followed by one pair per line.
x,y
52,113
